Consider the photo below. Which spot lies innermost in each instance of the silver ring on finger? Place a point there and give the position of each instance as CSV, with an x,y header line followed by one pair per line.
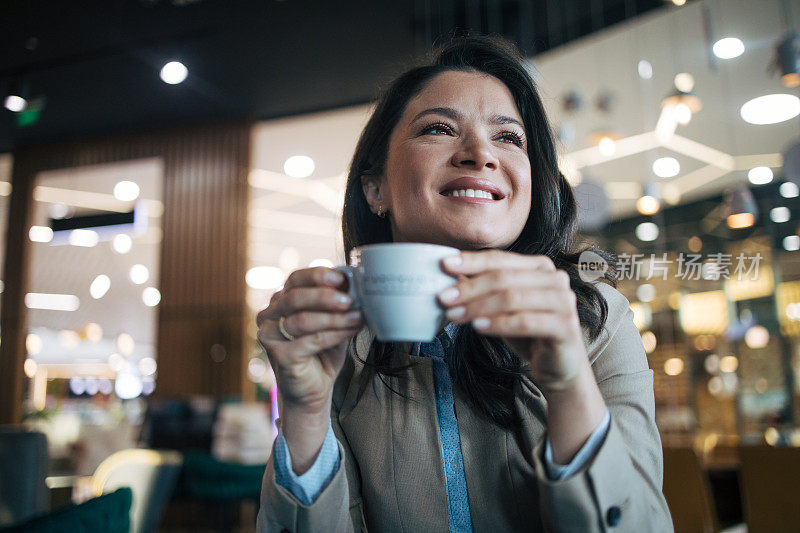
x,y
282,329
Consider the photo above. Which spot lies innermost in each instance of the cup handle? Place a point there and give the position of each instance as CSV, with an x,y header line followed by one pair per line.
x,y
350,273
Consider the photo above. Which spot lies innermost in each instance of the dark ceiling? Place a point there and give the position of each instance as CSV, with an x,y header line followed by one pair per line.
x,y
93,65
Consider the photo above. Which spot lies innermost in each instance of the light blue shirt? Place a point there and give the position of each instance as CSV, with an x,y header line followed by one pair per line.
x,y
307,487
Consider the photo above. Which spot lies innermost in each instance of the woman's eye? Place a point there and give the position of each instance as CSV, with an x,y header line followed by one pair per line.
x,y
511,137
438,129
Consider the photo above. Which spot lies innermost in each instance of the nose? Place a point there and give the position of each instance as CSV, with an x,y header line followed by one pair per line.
x,y
475,153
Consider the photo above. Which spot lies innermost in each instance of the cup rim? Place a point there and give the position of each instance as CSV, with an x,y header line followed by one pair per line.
x,y
404,245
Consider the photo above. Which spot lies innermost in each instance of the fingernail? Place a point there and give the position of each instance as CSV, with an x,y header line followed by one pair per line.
x,y
343,299
333,277
455,312
352,317
449,294
481,323
453,260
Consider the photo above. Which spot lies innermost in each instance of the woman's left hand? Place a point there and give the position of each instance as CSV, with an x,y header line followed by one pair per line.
x,y
527,302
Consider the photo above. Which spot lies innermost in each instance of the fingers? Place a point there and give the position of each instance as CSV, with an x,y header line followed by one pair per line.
x,y
287,355
307,322
528,324
468,289
303,298
555,301
474,262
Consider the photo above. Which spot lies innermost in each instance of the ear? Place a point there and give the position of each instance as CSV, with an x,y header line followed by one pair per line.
x,y
371,185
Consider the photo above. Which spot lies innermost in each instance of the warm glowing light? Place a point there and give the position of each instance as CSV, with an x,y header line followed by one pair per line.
x,y
607,146
666,167
683,114
771,436
256,370
321,263
711,363
715,385
126,191
151,297
116,362
729,363
695,244
299,166
679,2
728,48
756,337
52,302
741,220
122,243
30,367
648,205
673,366
684,82
147,366
40,234
265,277
646,292
93,331
125,344
33,344
173,72
770,109
760,175
649,341
100,286
139,274
671,193
69,339
83,237
647,231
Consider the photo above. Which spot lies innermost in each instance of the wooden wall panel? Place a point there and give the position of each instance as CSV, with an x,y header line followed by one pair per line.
x,y
202,315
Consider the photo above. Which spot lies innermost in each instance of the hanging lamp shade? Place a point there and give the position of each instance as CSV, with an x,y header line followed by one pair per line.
x,y
741,208
788,59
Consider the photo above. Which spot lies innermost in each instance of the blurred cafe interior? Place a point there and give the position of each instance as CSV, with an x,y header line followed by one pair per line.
x,y
164,165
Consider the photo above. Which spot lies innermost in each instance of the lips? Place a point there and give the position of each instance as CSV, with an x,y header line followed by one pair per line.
x,y
478,184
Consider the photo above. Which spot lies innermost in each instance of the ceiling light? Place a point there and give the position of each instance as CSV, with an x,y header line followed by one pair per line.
x,y
788,59
126,191
770,109
127,386
755,337
116,362
789,190
780,214
83,237
33,344
173,72
265,277
673,366
741,208
125,344
679,2
666,167
99,286
759,175
728,48
645,69
151,297
791,243
684,82
299,166
647,231
52,302
30,367
40,234
15,103
69,339
77,385
730,363
139,274
671,193
122,243
607,146
683,114
647,205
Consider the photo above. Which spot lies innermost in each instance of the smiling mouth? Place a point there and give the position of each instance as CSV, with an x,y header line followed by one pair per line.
x,y
470,193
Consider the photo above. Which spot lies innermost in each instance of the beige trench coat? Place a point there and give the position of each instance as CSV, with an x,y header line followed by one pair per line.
x,y
392,479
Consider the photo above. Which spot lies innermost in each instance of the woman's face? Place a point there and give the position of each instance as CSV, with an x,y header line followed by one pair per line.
x,y
457,171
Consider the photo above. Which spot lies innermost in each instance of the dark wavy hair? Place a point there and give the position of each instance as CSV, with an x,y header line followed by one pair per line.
x,y
483,367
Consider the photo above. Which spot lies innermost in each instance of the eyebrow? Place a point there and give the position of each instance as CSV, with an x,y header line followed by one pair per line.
x,y
453,114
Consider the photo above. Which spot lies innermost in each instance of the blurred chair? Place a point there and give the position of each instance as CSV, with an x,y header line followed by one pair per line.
x,y
687,492
23,469
769,488
109,513
150,474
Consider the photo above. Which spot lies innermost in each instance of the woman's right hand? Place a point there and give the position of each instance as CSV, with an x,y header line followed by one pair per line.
x,y
317,313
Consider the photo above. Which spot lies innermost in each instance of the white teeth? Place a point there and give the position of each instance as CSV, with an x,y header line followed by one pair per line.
x,y
471,193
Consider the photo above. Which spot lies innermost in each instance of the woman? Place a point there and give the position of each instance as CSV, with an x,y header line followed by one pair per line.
x,y
534,409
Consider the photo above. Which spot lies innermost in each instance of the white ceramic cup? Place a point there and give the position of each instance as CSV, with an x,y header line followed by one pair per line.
x,y
395,286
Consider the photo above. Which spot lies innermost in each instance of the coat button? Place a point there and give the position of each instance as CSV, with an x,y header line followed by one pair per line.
x,y
613,516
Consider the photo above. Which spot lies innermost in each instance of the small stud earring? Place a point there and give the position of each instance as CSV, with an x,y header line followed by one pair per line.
x,y
380,212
